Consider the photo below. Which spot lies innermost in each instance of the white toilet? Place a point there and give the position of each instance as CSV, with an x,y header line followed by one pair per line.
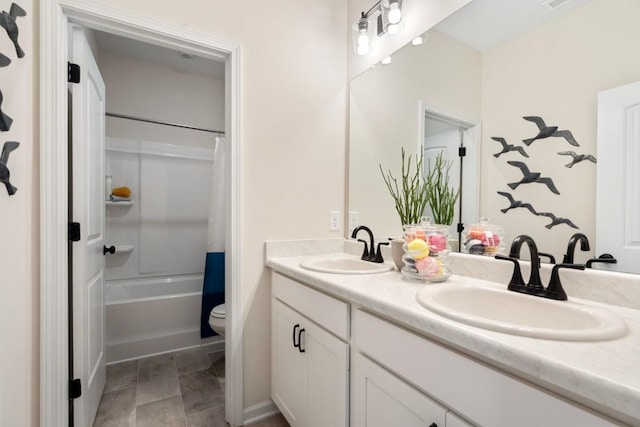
x,y
217,319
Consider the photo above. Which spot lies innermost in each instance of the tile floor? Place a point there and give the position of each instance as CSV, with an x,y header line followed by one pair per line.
x,y
184,388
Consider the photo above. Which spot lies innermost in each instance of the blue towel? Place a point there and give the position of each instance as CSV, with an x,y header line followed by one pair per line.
x,y
213,292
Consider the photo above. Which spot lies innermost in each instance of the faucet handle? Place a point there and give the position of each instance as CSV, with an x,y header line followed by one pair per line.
x,y
365,253
555,290
517,282
378,256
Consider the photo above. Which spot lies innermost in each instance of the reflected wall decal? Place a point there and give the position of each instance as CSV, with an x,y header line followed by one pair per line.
x,y
577,158
8,22
5,175
4,60
506,147
557,220
516,203
529,177
545,131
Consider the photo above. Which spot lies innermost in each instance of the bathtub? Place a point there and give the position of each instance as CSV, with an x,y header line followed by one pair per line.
x,y
153,315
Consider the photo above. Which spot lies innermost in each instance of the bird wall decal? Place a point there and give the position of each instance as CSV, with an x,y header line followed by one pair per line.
x,y
557,220
577,158
506,147
5,120
529,177
4,60
5,175
545,131
516,203
8,22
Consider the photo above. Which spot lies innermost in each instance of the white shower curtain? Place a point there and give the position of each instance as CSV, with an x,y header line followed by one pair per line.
x,y
213,288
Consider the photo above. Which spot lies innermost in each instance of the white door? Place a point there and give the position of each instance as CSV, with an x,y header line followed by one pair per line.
x,y
88,208
381,399
447,143
618,182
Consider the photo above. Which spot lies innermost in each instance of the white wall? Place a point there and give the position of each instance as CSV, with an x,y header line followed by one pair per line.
x,y
293,161
554,72
19,228
162,93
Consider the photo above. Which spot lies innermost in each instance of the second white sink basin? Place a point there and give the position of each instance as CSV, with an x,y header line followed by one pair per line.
x,y
345,264
519,314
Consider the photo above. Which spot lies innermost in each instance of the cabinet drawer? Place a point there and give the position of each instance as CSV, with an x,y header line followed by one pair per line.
x,y
330,313
482,394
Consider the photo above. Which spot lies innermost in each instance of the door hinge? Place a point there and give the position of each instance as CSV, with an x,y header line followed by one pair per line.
x,y
73,73
75,389
460,227
462,151
74,231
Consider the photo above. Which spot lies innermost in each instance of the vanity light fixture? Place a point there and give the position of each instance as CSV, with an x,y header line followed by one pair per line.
x,y
362,35
390,17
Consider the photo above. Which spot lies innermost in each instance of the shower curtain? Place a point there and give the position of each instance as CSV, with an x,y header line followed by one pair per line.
x,y
213,289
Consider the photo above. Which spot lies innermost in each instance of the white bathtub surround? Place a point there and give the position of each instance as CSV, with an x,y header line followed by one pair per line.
x,y
602,375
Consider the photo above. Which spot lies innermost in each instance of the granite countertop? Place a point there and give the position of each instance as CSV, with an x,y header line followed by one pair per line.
x,y
602,375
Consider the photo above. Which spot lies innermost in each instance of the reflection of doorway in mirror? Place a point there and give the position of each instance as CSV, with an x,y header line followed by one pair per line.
x,y
459,141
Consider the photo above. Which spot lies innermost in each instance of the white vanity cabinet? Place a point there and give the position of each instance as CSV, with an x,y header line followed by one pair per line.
x,y
309,355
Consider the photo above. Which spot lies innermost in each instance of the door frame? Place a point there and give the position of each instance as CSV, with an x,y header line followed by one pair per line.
x,y
54,19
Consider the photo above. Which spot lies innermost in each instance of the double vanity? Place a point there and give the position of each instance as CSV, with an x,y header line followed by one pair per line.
x,y
360,345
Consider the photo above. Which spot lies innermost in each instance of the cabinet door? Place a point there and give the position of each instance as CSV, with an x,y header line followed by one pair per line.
x,y
327,377
380,399
288,365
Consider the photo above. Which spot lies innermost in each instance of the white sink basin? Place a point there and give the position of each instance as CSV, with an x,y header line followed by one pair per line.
x,y
345,264
519,314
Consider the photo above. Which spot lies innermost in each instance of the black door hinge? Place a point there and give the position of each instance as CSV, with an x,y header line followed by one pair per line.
x,y
74,231
460,227
75,389
73,73
462,151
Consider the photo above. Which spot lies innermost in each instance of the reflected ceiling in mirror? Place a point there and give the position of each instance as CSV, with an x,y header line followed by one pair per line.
x,y
547,64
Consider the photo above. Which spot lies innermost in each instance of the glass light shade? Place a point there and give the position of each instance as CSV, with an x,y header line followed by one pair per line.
x,y
395,14
390,17
393,28
362,36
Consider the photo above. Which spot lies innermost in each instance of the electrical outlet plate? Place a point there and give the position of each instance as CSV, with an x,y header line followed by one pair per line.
x,y
354,220
334,220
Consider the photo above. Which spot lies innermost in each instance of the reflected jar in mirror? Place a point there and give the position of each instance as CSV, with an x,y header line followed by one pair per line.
x,y
484,238
426,252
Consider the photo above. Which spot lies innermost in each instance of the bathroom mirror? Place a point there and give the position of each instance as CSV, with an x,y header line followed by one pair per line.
x,y
481,71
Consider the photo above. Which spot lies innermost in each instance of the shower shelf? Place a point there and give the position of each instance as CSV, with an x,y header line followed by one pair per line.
x,y
124,203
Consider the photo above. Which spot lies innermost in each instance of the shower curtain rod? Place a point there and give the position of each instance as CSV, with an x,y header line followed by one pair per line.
x,y
177,125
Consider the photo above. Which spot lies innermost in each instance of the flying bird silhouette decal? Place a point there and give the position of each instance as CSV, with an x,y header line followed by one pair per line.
x,y
5,121
8,147
577,158
557,220
545,131
516,203
508,147
4,61
529,177
8,22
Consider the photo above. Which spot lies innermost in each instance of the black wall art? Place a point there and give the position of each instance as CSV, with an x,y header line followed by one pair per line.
x,y
516,203
529,177
577,158
545,131
5,175
8,22
5,120
557,220
4,60
506,147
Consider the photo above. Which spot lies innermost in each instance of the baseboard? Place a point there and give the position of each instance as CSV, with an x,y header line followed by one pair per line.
x,y
259,411
123,352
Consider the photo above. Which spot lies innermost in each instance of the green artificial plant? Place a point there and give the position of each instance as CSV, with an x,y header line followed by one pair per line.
x,y
441,197
411,193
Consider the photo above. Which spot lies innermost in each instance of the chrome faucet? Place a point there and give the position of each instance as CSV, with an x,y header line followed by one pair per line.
x,y
571,247
554,290
369,255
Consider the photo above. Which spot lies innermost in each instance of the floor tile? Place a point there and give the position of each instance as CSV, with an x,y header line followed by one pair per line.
x,y
121,375
166,412
192,360
212,417
217,359
159,359
200,390
273,421
117,409
157,382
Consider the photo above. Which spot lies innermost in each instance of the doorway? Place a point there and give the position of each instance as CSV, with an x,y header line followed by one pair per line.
x,y
54,157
